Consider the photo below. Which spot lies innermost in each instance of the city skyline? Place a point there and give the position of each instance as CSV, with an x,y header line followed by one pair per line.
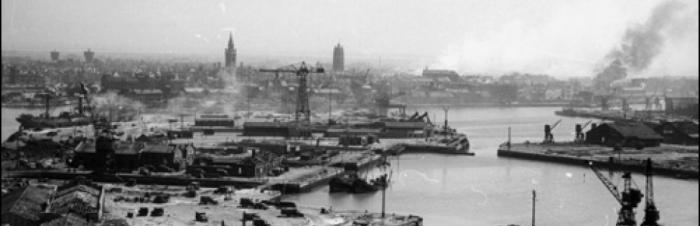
x,y
560,39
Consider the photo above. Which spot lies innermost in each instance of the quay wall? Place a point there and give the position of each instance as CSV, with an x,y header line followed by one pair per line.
x,y
572,160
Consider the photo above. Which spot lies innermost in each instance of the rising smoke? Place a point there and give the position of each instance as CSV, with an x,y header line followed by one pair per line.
x,y
210,103
118,107
640,45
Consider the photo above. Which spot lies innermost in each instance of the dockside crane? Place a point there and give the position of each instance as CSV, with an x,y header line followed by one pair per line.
x,y
548,136
303,112
580,137
629,198
651,214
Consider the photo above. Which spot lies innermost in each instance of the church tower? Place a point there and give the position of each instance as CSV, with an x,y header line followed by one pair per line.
x,y
230,53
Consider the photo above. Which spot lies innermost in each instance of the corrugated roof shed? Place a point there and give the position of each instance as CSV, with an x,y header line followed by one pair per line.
x,y
634,129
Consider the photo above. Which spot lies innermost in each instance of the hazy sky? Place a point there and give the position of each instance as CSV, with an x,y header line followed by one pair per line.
x,y
562,38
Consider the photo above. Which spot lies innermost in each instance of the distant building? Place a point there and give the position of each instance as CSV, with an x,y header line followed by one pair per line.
x,y
14,76
89,56
230,53
338,58
54,55
686,106
12,79
440,74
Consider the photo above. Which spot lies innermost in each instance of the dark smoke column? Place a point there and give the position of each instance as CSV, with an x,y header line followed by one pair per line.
x,y
640,45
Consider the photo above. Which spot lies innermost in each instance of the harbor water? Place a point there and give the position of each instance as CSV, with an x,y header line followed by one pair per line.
x,y
487,190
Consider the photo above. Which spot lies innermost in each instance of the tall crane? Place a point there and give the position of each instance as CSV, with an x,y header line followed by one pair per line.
x,y
651,214
628,199
302,109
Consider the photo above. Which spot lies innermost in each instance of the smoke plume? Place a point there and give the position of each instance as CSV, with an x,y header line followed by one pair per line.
x,y
639,46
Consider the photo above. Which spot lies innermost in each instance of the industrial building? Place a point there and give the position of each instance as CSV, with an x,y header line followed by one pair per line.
x,y
679,132
257,164
128,156
624,134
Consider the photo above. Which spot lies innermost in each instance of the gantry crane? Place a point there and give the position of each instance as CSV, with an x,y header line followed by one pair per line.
x,y
629,198
302,113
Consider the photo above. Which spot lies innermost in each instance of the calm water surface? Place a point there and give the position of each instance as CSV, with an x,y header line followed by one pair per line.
x,y
487,190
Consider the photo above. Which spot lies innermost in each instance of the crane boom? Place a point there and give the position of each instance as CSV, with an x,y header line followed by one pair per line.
x,y
586,125
608,184
556,124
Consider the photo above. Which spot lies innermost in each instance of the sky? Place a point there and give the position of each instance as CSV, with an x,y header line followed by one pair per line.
x,y
562,38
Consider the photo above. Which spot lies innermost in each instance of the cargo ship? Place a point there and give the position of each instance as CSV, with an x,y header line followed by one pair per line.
x,y
64,119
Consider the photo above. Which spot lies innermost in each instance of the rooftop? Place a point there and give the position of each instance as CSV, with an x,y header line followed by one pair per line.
x,y
27,202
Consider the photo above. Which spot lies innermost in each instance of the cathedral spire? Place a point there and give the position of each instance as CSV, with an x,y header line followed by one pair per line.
x,y
230,52
230,40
